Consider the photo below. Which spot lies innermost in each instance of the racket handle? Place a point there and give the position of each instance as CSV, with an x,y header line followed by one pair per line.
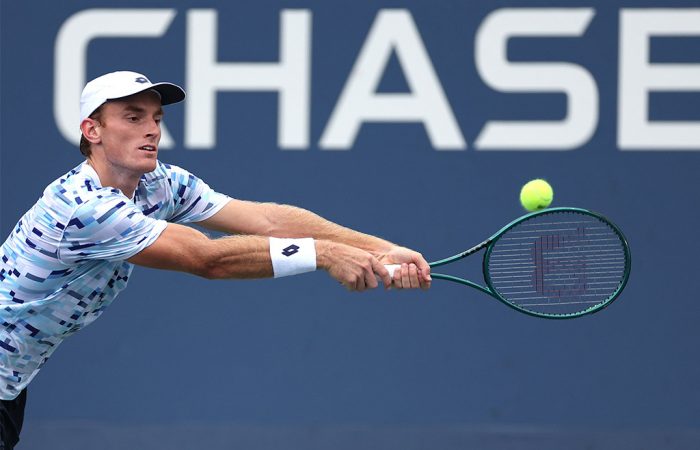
x,y
392,268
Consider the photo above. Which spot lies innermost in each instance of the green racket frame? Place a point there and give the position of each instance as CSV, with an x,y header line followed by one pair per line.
x,y
488,243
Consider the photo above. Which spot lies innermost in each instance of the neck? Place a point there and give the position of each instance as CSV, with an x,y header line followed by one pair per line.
x,y
125,181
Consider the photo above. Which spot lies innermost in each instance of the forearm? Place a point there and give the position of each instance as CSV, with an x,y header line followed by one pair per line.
x,y
249,256
290,221
258,257
188,250
185,249
238,257
271,219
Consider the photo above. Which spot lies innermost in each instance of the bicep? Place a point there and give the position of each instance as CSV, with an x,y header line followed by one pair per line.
x,y
178,247
241,217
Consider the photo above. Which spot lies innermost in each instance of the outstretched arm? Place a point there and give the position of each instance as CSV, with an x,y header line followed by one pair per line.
x,y
185,249
269,219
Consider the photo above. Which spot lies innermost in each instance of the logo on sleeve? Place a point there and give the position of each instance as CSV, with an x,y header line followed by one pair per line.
x,y
289,251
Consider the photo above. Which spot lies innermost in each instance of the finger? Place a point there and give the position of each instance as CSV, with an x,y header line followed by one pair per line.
x,y
424,284
405,281
423,268
381,272
360,283
397,277
413,276
370,278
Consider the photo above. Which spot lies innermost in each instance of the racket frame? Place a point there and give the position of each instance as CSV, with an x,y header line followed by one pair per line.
x,y
489,244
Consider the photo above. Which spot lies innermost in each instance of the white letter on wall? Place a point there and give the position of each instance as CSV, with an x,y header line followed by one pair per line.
x,y
359,101
290,78
637,77
576,82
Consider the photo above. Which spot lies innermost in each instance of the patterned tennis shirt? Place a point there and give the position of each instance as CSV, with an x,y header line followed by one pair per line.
x,y
64,262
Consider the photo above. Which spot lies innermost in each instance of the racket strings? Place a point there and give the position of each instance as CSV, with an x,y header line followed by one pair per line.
x,y
559,263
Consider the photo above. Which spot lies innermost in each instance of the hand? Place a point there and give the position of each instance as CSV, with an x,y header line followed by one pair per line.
x,y
354,268
414,271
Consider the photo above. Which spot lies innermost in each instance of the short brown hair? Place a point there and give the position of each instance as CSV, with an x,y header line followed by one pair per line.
x,y
84,143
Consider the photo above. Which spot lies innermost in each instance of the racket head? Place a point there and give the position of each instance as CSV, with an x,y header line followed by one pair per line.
x,y
558,263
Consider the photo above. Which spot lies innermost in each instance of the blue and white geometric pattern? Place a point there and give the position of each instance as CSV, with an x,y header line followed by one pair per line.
x,y
64,262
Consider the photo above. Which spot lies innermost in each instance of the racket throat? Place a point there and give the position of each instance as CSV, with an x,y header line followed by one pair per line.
x,y
461,255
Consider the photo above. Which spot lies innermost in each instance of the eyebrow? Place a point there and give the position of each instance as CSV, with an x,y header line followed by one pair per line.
x,y
137,109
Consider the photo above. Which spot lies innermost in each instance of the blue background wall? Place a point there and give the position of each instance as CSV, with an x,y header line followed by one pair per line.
x,y
179,362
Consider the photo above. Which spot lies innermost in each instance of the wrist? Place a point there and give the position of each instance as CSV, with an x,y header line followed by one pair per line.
x,y
323,253
384,253
292,256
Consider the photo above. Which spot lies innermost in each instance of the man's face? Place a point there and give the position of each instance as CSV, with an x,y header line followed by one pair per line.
x,y
130,132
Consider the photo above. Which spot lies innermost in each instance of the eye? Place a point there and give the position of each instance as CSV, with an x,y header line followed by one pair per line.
x,y
132,118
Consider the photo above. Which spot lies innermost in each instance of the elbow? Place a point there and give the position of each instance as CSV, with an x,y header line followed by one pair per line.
x,y
206,272
269,225
213,273
204,262
275,220
210,269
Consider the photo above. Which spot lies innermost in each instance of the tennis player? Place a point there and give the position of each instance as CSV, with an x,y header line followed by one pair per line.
x,y
71,254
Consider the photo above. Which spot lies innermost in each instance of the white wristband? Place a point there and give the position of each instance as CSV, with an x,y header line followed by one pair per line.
x,y
292,256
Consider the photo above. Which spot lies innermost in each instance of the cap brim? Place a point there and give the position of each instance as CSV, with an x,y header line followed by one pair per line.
x,y
169,93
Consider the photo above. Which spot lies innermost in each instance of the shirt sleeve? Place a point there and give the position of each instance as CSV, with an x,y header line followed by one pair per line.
x,y
109,227
194,200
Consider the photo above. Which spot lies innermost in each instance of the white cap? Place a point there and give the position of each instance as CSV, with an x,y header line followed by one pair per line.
x,y
123,84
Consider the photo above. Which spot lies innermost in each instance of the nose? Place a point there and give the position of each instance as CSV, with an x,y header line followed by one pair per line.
x,y
153,129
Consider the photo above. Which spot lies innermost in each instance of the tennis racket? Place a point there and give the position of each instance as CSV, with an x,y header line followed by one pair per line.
x,y
557,263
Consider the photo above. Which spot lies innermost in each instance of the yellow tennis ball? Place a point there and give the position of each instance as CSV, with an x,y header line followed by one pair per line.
x,y
536,194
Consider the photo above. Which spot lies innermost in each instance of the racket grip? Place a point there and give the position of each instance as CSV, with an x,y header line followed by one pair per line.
x,y
392,268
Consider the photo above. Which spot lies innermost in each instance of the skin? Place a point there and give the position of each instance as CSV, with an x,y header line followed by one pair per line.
x,y
124,146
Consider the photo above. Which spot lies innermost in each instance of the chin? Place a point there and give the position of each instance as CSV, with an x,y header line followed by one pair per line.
x,y
149,166
152,167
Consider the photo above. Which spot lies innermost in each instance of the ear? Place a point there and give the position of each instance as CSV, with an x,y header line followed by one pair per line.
x,y
91,130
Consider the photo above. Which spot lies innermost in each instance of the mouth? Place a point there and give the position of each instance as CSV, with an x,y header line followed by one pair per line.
x,y
148,148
